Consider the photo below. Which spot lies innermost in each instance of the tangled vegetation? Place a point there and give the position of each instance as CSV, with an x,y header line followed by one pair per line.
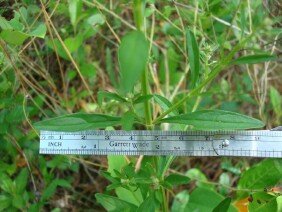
x,y
156,65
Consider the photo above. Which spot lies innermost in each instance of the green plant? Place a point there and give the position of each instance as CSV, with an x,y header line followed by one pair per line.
x,y
192,71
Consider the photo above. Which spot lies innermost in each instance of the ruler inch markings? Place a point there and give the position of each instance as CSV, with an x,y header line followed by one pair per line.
x,y
253,143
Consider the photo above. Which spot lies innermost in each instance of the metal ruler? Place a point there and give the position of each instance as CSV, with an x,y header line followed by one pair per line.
x,y
253,143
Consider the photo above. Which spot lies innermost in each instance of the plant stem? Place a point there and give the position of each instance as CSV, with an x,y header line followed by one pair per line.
x,y
164,202
145,91
138,11
213,74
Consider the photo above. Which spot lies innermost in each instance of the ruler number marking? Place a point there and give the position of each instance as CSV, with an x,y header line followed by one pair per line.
x,y
162,143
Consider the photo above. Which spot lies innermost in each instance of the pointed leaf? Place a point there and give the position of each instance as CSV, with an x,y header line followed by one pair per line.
x,y
133,55
51,189
176,179
253,59
110,178
111,203
148,204
180,201
142,99
164,103
77,122
111,96
127,120
204,200
116,162
21,181
194,56
215,120
275,100
223,205
5,202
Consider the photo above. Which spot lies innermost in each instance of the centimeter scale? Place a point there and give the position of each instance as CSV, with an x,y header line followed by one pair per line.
x,y
253,143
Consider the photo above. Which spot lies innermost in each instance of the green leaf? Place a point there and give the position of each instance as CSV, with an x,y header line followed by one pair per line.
x,y
14,37
88,70
77,122
4,24
165,104
215,120
111,96
180,201
108,176
73,43
110,68
176,179
275,100
265,174
133,55
5,202
253,59
116,162
142,99
163,165
74,10
111,203
200,178
6,184
18,37
263,202
279,203
58,48
51,189
194,56
126,195
204,200
223,205
21,181
129,171
243,20
148,204
224,181
18,201
127,120
40,31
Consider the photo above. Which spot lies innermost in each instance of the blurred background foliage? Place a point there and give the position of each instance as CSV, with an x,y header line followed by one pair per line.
x,y
60,57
